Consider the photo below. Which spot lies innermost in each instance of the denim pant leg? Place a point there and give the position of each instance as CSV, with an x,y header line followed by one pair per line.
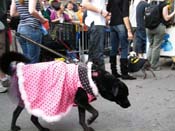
x,y
114,41
29,49
123,40
96,44
140,40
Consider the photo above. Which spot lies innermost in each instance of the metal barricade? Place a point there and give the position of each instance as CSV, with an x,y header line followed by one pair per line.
x,y
75,37
65,32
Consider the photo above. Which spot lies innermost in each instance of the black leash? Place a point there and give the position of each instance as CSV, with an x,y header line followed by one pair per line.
x,y
44,47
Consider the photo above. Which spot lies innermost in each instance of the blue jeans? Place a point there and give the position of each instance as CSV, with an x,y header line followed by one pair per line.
x,y
29,49
118,37
96,44
140,41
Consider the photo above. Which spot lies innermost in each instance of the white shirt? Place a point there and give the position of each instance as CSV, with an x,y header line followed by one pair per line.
x,y
94,16
132,12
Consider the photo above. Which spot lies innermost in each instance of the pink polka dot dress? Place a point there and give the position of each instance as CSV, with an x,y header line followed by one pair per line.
x,y
48,88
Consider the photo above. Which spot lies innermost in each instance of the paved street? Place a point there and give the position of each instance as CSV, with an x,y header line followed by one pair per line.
x,y
153,108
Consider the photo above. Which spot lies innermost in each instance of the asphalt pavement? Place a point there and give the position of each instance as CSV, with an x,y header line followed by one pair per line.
x,y
152,107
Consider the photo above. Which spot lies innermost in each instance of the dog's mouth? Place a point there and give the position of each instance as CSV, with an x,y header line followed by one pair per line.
x,y
124,104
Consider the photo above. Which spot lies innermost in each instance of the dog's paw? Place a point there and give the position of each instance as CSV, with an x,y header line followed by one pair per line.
x,y
92,119
89,129
44,129
16,128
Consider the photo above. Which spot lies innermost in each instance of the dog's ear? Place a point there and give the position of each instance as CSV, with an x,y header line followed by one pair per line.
x,y
115,91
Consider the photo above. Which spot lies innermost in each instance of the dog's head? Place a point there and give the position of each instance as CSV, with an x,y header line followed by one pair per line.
x,y
110,87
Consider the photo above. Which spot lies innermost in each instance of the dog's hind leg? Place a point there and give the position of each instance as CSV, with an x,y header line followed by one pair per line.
x,y
81,99
144,72
35,121
15,116
154,75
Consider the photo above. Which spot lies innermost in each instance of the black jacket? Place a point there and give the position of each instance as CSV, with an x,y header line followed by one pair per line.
x,y
119,9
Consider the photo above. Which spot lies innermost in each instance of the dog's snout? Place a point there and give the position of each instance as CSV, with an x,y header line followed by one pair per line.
x,y
124,104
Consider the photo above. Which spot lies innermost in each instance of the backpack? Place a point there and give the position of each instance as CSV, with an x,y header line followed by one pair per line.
x,y
152,16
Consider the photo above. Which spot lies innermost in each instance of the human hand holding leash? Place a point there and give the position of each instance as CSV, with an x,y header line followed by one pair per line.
x,y
104,13
130,35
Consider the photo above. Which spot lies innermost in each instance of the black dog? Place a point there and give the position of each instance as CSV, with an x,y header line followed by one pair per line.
x,y
135,64
108,86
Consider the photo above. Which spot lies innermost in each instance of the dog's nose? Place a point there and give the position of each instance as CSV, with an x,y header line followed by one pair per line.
x,y
126,105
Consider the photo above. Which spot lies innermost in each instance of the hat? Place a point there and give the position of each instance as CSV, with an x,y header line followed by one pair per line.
x,y
2,27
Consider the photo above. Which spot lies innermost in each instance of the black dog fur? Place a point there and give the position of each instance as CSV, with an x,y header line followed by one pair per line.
x,y
109,87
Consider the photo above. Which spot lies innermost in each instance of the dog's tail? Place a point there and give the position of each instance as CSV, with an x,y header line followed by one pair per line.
x,y
9,57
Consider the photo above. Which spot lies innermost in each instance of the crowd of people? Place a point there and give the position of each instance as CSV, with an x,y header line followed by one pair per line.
x,y
125,26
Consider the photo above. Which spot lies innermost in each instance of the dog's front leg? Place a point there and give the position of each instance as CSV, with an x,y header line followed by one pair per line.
x,y
94,113
81,99
82,120
15,116
35,121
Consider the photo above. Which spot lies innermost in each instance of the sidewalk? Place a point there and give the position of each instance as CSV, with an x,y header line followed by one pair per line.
x,y
152,108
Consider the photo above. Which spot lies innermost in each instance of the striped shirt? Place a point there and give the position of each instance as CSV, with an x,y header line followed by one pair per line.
x,y
25,17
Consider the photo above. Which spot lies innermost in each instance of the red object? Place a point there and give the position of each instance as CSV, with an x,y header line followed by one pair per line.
x,y
9,36
46,25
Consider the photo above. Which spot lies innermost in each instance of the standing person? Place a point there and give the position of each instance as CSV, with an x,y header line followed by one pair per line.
x,y
155,36
3,77
120,34
58,14
95,20
45,9
4,44
69,11
132,18
140,39
29,26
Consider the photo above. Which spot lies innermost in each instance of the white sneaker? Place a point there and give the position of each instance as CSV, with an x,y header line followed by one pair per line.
x,y
2,88
4,84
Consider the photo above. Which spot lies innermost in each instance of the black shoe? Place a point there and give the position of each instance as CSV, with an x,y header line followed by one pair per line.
x,y
116,75
127,77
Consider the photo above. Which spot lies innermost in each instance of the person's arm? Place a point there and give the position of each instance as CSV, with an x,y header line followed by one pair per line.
x,y
89,6
126,19
166,15
13,10
34,12
128,27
